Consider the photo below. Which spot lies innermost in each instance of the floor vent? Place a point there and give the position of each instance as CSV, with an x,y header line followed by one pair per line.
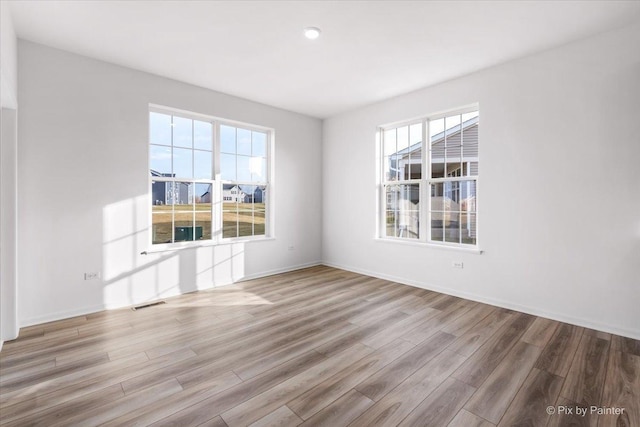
x,y
147,305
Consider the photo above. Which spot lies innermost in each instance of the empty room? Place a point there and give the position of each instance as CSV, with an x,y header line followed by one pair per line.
x,y
320,213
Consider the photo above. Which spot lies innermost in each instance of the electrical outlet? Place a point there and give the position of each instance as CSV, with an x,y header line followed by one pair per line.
x,y
457,264
92,276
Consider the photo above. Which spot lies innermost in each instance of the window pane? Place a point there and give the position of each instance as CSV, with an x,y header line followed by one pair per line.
x,y
228,167
468,196
160,160
414,169
227,139
159,128
437,225
259,144
403,203
244,142
229,212
402,138
258,166
451,199
202,165
244,168
161,213
245,215
203,211
391,224
390,169
183,211
182,163
452,124
259,209
452,227
436,192
203,135
259,225
436,154
161,227
182,132
470,142
468,228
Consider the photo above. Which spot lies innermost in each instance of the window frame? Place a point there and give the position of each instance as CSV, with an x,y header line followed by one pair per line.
x,y
425,183
216,182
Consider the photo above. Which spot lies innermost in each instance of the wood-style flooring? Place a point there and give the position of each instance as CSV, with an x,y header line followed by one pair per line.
x,y
318,347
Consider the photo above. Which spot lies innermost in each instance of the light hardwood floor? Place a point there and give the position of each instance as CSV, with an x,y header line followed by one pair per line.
x,y
316,347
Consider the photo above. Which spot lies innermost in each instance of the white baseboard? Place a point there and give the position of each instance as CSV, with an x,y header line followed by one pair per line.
x,y
586,323
278,271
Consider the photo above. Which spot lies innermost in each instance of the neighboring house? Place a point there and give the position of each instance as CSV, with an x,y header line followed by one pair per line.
x,y
260,195
461,154
206,197
233,193
169,193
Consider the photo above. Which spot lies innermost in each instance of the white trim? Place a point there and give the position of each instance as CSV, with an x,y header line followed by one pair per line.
x,y
559,317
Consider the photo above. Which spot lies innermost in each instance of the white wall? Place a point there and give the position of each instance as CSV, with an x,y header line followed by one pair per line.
x,y
8,58
559,195
8,175
83,177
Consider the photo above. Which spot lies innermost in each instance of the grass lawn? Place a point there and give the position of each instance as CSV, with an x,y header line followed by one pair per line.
x,y
239,219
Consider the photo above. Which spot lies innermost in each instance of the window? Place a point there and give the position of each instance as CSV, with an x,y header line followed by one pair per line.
x,y
209,178
429,177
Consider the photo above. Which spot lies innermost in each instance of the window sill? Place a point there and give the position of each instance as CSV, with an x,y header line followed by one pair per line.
x,y
172,247
472,250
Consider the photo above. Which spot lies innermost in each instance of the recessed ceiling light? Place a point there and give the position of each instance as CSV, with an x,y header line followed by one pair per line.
x,y
312,33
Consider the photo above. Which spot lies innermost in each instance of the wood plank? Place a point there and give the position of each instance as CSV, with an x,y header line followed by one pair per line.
x,y
622,390
342,411
467,419
585,380
626,345
314,400
464,323
473,339
260,405
494,395
393,374
201,410
282,416
398,403
441,406
558,354
540,332
529,407
480,365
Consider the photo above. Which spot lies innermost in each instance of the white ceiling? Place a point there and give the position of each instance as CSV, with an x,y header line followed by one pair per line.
x,y
368,50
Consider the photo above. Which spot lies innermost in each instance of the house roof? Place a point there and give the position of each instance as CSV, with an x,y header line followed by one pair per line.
x,y
439,137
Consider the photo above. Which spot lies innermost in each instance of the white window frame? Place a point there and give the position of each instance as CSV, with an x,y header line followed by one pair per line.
x,y
216,183
425,182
